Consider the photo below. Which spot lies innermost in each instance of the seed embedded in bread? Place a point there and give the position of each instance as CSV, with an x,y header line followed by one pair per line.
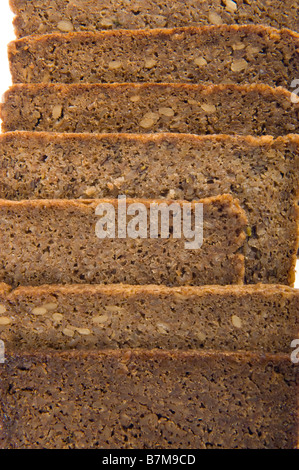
x,y
39,311
84,331
50,306
236,321
231,6
65,26
214,18
238,65
2,309
68,332
57,110
200,61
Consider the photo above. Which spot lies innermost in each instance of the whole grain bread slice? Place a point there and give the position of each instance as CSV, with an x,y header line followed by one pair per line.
x,y
258,318
47,16
151,399
195,109
261,172
209,54
104,241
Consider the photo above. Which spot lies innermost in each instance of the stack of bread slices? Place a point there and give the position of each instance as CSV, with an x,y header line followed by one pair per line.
x,y
143,341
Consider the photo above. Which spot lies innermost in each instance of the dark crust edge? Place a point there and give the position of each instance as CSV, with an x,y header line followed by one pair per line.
x,y
147,354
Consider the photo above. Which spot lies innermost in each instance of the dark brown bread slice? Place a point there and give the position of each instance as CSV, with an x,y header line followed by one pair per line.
x,y
130,399
52,241
194,109
209,54
47,16
263,173
259,318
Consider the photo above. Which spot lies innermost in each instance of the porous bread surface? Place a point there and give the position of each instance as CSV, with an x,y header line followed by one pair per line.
x,y
261,172
210,54
148,399
253,318
47,16
149,108
55,241
24,409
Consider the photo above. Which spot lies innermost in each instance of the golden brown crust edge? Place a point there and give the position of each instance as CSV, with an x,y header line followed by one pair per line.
x,y
225,199
130,290
157,137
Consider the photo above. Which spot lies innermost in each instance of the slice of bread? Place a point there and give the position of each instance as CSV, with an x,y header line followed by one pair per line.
x,y
61,241
47,16
145,399
194,109
210,54
259,318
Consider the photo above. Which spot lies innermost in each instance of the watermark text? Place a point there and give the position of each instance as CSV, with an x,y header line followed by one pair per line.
x,y
156,220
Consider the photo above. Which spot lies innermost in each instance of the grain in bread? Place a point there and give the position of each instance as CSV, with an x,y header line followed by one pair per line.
x,y
47,16
149,108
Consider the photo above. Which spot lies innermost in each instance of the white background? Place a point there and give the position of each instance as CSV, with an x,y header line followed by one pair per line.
x,y
6,35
